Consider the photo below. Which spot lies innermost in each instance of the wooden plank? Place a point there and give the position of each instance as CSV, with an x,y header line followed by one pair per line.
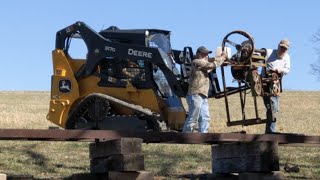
x,y
153,137
244,164
131,162
130,175
275,175
115,147
89,176
16,177
243,149
219,177
245,157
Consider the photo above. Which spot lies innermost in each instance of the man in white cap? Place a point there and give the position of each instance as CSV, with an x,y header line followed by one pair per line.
x,y
197,97
278,60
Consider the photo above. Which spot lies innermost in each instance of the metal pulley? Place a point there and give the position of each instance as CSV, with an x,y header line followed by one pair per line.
x,y
276,85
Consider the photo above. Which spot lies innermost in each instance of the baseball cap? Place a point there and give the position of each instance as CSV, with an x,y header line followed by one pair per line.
x,y
203,49
285,43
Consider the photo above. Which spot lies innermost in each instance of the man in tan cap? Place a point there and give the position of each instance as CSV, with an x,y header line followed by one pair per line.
x,y
278,60
197,97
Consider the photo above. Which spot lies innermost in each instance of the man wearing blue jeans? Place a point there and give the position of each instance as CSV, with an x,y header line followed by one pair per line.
x,y
272,105
197,97
278,60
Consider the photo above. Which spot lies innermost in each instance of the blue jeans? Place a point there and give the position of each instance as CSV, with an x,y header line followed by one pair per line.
x,y
198,111
272,105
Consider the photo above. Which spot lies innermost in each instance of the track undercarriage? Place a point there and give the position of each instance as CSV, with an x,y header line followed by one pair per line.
x,y
96,112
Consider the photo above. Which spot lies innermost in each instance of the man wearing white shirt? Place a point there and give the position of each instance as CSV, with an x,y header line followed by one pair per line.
x,y
278,60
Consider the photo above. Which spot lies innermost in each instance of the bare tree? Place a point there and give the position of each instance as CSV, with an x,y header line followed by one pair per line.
x,y
316,65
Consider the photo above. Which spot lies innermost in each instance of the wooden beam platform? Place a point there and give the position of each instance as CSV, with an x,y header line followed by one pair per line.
x,y
153,137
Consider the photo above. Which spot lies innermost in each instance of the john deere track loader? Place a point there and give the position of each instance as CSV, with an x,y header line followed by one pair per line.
x,y
128,81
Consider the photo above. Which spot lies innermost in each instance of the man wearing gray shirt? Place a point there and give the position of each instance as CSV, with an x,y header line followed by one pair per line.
x,y
278,60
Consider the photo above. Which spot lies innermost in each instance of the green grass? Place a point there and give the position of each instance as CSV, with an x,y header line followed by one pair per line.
x,y
299,113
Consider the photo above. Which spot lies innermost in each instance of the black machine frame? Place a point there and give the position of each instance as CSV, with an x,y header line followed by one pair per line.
x,y
244,67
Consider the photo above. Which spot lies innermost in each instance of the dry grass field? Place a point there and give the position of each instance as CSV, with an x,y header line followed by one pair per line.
x,y
299,113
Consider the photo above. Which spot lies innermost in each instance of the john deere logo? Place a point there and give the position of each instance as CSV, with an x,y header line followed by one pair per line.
x,y
65,86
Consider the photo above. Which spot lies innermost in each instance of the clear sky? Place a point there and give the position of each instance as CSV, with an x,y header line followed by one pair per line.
x,y
27,31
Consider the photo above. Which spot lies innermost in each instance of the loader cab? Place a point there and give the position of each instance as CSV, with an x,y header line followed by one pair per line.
x,y
151,38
